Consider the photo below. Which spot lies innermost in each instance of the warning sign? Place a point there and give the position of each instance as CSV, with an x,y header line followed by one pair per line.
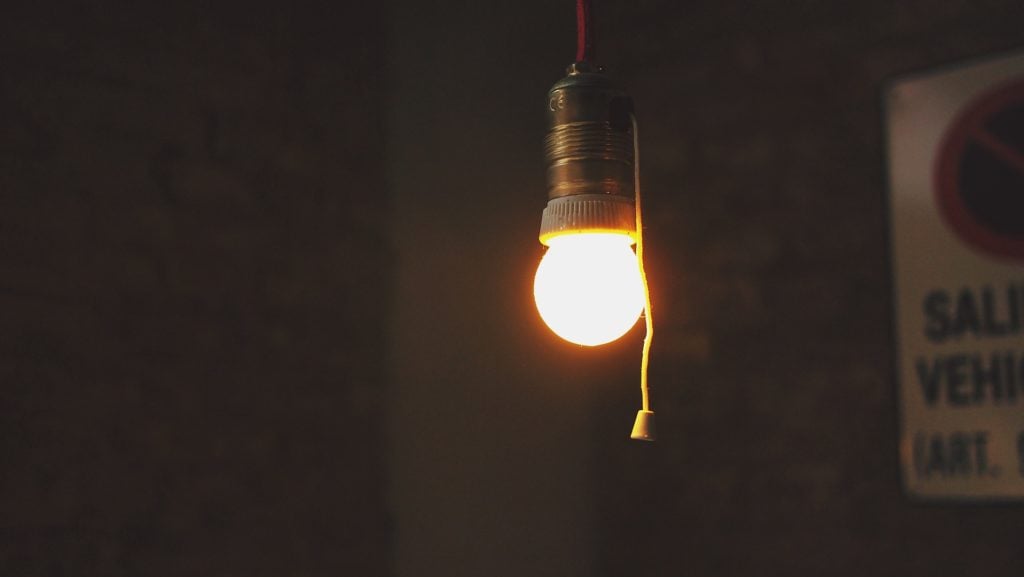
x,y
956,199
979,176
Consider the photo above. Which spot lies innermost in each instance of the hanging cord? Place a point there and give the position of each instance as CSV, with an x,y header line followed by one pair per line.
x,y
643,274
584,31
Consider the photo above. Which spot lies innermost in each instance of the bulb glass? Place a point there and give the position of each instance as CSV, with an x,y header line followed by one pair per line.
x,y
588,288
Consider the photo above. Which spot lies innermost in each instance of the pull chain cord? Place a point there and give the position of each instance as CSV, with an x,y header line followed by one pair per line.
x,y
643,429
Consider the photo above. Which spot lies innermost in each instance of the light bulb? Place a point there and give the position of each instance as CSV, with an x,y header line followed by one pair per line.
x,y
588,287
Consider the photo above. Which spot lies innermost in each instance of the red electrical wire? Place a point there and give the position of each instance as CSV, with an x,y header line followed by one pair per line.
x,y
584,32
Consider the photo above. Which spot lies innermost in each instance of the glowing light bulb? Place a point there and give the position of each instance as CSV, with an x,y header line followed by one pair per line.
x,y
588,287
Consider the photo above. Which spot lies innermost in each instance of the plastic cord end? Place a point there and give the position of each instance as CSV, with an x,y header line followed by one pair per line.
x,y
643,428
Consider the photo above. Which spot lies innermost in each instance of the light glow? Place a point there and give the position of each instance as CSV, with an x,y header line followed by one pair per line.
x,y
588,287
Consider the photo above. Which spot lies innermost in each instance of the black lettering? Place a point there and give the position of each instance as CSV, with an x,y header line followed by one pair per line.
x,y
959,462
956,454
1011,377
987,376
936,457
936,311
930,379
956,379
992,327
920,452
1018,382
1012,296
971,379
966,317
1020,453
981,452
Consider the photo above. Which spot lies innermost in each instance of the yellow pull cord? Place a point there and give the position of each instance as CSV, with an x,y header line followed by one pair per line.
x,y
643,274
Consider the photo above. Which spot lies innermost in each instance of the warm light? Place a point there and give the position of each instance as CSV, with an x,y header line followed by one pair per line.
x,y
588,287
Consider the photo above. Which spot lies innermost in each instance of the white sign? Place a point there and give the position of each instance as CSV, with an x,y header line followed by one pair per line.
x,y
956,201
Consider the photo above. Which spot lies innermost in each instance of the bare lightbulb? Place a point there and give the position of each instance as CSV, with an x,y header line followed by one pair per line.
x,y
588,287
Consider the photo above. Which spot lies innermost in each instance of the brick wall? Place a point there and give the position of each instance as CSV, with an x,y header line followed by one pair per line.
x,y
763,165
194,277
762,137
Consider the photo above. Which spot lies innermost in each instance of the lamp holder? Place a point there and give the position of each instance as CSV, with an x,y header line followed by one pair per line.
x,y
589,155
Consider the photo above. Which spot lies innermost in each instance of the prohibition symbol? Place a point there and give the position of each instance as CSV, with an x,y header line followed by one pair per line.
x,y
979,172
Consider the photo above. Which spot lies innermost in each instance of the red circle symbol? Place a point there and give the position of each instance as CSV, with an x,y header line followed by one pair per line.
x,y
979,172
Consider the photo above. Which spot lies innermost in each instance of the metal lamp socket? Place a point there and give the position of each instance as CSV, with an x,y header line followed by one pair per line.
x,y
589,155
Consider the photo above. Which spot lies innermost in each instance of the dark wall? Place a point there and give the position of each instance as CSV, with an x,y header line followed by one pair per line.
x,y
763,143
488,437
194,281
199,308
764,179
